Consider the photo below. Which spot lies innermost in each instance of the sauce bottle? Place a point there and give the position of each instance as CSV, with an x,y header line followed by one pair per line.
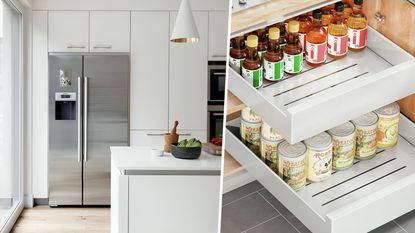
x,y
273,58
357,27
347,9
251,68
316,42
326,17
237,53
293,52
337,34
305,23
262,43
283,34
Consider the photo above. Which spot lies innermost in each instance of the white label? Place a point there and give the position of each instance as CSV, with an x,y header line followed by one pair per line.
x,y
337,45
293,63
357,38
254,77
273,71
236,64
316,53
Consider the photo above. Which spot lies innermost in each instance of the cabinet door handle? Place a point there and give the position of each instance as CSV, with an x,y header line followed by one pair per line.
x,y
218,55
102,46
185,134
155,134
75,46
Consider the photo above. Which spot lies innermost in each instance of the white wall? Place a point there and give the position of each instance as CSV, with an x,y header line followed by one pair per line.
x,y
206,5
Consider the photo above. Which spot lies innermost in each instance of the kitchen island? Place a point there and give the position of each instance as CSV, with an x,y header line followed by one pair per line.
x,y
163,194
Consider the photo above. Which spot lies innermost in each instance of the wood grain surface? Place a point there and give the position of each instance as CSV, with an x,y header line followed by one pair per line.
x,y
234,107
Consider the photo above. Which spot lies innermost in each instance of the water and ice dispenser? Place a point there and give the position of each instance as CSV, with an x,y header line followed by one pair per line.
x,y
65,106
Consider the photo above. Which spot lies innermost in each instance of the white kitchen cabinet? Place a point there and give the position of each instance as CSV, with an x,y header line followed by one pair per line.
x,y
218,35
147,137
173,203
188,78
199,134
149,70
109,31
68,31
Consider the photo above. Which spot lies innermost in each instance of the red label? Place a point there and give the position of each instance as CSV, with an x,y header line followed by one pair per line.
x,y
302,37
357,38
316,53
337,45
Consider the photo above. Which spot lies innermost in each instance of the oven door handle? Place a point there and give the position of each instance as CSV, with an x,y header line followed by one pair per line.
x,y
219,73
217,114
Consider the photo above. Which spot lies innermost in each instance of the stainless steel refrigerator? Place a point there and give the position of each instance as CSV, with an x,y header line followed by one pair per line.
x,y
88,113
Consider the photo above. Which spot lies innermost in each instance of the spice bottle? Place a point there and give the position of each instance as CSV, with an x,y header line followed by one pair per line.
x,y
251,68
326,17
262,43
357,27
305,23
337,34
273,58
237,53
283,35
316,45
293,52
347,9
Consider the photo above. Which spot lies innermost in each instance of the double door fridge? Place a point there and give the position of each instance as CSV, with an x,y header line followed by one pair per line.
x,y
88,113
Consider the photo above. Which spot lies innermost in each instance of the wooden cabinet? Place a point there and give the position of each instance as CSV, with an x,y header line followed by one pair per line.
x,y
173,203
110,31
218,34
149,70
188,78
68,31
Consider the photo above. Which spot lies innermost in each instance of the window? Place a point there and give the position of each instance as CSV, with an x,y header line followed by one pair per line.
x,y
10,114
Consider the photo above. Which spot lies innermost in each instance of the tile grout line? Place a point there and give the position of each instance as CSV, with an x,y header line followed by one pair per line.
x,y
402,229
295,228
261,223
247,195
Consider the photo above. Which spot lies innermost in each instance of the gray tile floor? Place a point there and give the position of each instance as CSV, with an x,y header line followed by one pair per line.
x,y
252,209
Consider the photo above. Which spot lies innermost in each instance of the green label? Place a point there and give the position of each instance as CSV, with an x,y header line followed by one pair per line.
x,y
293,63
254,77
273,71
236,64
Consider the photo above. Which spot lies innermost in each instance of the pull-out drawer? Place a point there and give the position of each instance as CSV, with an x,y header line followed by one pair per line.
x,y
355,200
317,99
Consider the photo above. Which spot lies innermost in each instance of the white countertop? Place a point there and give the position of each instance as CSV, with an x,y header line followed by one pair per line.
x,y
141,159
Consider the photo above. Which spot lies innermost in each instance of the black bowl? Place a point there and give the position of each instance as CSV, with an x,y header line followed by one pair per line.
x,y
186,152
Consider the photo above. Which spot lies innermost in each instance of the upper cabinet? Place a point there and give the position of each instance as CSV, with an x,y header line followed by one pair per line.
x,y
84,31
218,34
68,31
109,31
188,78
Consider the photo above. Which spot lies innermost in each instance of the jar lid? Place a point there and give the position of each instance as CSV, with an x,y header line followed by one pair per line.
x,y
388,110
342,130
249,115
319,141
270,133
252,41
296,150
293,26
274,33
367,119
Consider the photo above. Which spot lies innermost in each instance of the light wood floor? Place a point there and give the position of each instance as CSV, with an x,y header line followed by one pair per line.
x,y
43,219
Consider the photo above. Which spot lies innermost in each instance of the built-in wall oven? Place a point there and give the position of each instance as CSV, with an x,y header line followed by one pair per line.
x,y
216,97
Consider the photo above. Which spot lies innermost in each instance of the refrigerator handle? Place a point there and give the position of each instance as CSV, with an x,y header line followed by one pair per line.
x,y
79,116
85,97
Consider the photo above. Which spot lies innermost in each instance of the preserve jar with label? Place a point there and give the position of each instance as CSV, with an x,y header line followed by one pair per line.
x,y
388,125
357,27
305,24
291,164
273,58
366,131
237,53
250,129
344,145
269,145
293,52
316,45
319,157
251,68
337,34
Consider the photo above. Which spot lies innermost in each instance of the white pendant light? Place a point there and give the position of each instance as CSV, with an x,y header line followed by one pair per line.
x,y
184,30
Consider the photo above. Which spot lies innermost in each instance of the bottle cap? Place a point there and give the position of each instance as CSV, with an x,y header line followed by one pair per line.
x,y
317,14
252,41
293,26
358,2
274,33
339,6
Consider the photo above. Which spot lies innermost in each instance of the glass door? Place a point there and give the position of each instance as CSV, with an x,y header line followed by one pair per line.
x,y
10,114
